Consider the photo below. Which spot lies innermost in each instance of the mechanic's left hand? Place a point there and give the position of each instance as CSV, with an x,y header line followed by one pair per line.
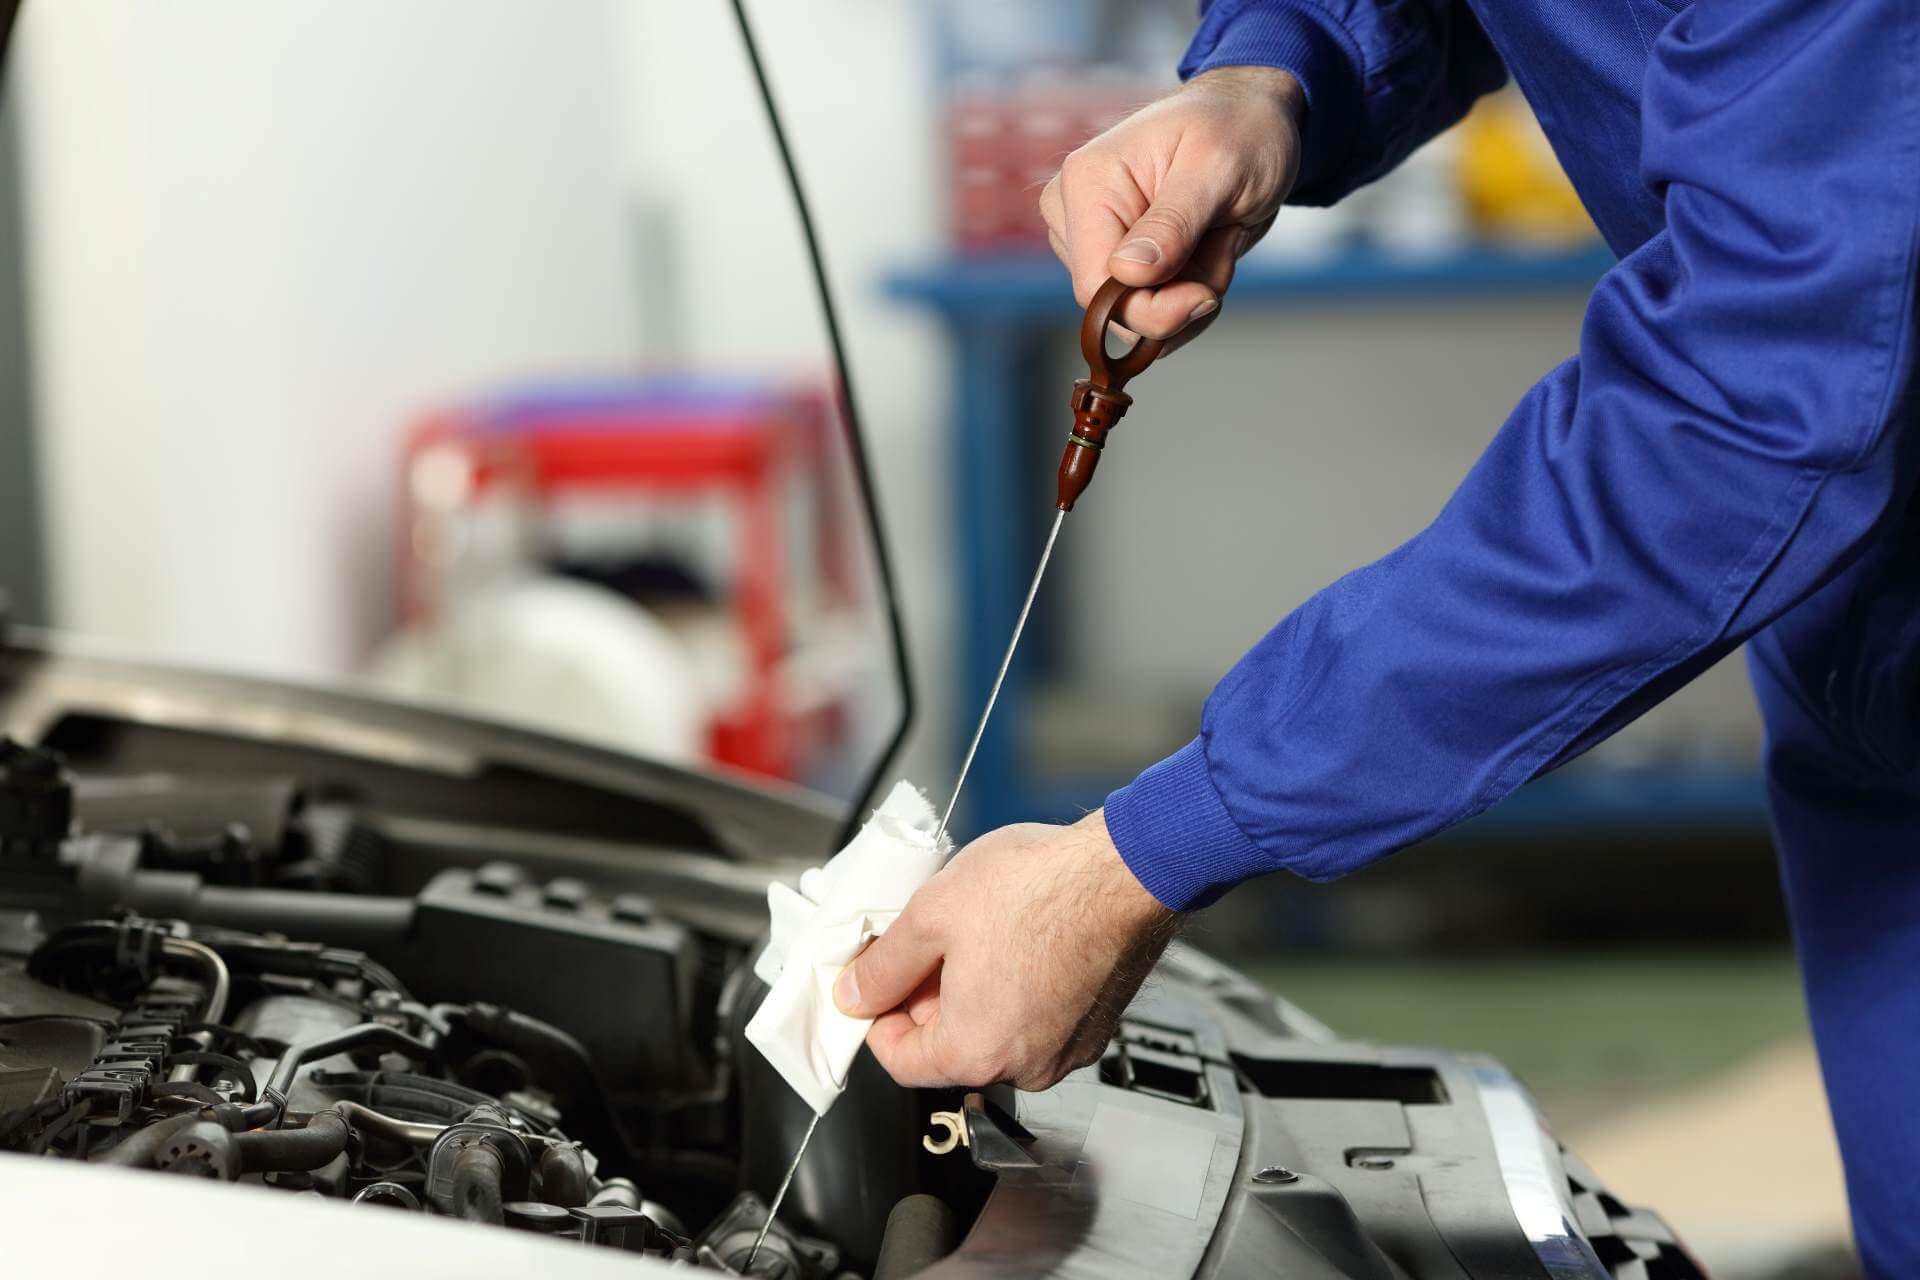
x,y
1014,963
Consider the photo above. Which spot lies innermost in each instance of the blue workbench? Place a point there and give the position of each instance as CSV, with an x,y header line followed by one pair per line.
x,y
1001,312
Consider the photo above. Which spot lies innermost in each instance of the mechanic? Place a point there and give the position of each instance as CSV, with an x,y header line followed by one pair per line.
x,y
1730,458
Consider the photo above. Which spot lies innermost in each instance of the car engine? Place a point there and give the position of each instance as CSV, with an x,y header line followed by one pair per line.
x,y
240,979
295,944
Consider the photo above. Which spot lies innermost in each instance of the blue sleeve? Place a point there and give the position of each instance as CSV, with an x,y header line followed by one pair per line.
x,y
1381,76
1737,426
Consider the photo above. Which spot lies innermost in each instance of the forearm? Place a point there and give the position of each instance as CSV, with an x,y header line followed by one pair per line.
x,y
1732,432
1425,688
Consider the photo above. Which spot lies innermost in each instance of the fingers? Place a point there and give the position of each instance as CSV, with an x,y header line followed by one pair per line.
x,y
1102,224
1096,202
1163,200
1089,207
1053,210
904,1039
924,1004
909,1050
924,1055
892,967
1160,310
1212,265
1014,963
1186,205
1252,233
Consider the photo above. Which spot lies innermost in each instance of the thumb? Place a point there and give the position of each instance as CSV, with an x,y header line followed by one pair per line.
x,y
1162,239
889,970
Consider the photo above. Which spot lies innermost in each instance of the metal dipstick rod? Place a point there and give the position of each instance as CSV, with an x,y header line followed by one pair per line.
x,y
993,696
1098,403
781,1194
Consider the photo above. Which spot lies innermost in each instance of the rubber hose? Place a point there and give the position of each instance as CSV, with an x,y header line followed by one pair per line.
x,y
368,1122
620,1191
561,1064
289,1150
403,1093
368,1035
919,1233
238,1116
563,1177
477,1172
138,1151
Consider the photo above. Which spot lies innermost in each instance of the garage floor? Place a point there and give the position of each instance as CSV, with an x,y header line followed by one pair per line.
x,y
1686,1079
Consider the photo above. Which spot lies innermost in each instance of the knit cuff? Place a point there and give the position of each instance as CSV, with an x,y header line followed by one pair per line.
x,y
1177,837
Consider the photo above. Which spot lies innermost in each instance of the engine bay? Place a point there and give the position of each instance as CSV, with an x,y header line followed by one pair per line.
x,y
254,979
303,952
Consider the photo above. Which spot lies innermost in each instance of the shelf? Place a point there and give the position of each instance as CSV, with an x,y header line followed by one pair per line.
x,y
1034,288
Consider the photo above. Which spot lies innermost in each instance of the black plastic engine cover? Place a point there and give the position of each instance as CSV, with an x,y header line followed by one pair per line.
x,y
604,969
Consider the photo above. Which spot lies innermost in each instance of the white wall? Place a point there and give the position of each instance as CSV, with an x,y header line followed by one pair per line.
x,y
261,237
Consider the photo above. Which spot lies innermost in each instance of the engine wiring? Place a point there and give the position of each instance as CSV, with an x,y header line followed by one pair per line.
x,y
159,1096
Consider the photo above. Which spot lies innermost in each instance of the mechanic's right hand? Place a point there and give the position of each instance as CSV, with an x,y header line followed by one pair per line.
x,y
1175,193
1013,963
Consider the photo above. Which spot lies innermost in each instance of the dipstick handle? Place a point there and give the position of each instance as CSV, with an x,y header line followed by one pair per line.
x,y
1099,399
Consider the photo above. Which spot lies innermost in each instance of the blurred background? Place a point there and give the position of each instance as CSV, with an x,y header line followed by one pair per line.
x,y
468,349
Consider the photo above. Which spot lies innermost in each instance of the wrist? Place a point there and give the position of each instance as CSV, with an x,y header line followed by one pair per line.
x,y
1274,86
1327,99
1126,898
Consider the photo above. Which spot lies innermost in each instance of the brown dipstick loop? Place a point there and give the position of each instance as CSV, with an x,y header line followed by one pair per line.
x,y
1112,372
1098,401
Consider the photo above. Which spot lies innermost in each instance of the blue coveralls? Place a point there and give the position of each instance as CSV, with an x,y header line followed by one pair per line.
x,y
1731,456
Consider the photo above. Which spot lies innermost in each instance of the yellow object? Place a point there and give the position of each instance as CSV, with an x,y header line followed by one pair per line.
x,y
1513,185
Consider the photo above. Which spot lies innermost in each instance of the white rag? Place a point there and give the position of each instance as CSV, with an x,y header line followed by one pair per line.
x,y
821,928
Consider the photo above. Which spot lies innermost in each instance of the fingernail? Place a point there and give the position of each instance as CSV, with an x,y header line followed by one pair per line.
x,y
1142,251
846,990
1205,309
